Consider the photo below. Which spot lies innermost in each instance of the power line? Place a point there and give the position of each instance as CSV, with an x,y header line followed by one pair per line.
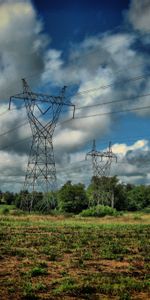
x,y
37,74
112,101
67,170
13,129
81,117
112,112
83,107
7,110
17,142
21,125
111,84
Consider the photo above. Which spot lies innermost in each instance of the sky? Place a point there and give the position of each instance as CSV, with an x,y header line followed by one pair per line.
x,y
100,51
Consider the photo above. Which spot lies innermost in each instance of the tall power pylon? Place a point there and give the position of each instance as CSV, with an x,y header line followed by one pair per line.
x,y
43,112
101,163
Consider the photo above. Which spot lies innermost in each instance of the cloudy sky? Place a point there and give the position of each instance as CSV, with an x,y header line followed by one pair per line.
x,y
100,50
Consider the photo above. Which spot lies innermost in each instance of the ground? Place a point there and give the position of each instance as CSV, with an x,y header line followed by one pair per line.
x,y
45,257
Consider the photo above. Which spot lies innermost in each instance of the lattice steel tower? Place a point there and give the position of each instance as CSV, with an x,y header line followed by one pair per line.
x,y
43,112
101,163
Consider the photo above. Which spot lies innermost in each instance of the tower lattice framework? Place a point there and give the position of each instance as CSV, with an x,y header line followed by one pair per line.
x,y
43,113
101,164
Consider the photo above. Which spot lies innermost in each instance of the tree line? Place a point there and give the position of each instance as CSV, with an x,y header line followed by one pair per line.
x,y
73,198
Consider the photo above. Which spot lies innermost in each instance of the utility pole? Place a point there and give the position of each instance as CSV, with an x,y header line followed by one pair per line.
x,y
43,113
101,163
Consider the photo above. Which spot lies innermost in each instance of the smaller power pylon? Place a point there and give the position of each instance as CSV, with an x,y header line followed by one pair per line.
x,y
101,163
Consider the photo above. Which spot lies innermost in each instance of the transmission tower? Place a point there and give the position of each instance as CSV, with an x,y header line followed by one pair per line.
x,y
101,163
43,112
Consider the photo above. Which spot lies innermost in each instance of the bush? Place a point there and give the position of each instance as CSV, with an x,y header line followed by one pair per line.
x,y
5,211
146,210
17,212
37,271
99,211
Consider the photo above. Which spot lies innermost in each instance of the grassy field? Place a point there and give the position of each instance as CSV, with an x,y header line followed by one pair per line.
x,y
75,258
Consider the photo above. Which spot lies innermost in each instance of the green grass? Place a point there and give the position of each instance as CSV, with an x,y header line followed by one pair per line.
x,y
46,257
37,271
6,209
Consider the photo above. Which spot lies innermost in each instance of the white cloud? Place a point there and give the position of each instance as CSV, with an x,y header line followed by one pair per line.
x,y
12,168
10,120
122,149
109,53
139,15
132,164
21,43
95,62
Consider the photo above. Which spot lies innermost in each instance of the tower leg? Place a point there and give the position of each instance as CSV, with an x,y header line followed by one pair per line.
x,y
40,176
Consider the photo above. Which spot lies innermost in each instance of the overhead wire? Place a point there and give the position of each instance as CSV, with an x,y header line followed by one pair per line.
x,y
107,113
75,118
37,74
112,84
112,101
66,171
87,106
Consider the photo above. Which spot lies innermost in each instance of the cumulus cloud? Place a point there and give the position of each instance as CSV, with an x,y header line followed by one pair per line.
x,y
14,127
107,65
139,15
132,161
22,45
12,168
101,64
132,164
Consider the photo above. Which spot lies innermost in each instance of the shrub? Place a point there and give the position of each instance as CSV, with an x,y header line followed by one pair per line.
x,y
5,211
99,211
146,210
37,271
17,212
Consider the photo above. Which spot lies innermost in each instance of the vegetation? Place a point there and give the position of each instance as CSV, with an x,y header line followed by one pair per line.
x,y
101,252
47,257
99,211
73,198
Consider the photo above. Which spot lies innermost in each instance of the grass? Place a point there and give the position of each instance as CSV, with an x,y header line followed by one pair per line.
x,y
6,209
45,257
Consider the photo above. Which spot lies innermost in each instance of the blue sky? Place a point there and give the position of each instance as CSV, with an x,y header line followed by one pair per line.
x,y
101,47
69,21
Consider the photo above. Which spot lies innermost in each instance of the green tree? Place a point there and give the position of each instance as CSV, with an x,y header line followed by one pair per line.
x,y
8,198
138,197
1,197
45,202
99,191
72,198
120,197
107,191
19,197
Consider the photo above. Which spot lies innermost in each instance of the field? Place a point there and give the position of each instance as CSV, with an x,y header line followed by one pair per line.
x,y
45,257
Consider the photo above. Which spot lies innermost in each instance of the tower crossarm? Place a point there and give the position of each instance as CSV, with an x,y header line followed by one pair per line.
x,y
46,105
40,98
108,155
101,161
